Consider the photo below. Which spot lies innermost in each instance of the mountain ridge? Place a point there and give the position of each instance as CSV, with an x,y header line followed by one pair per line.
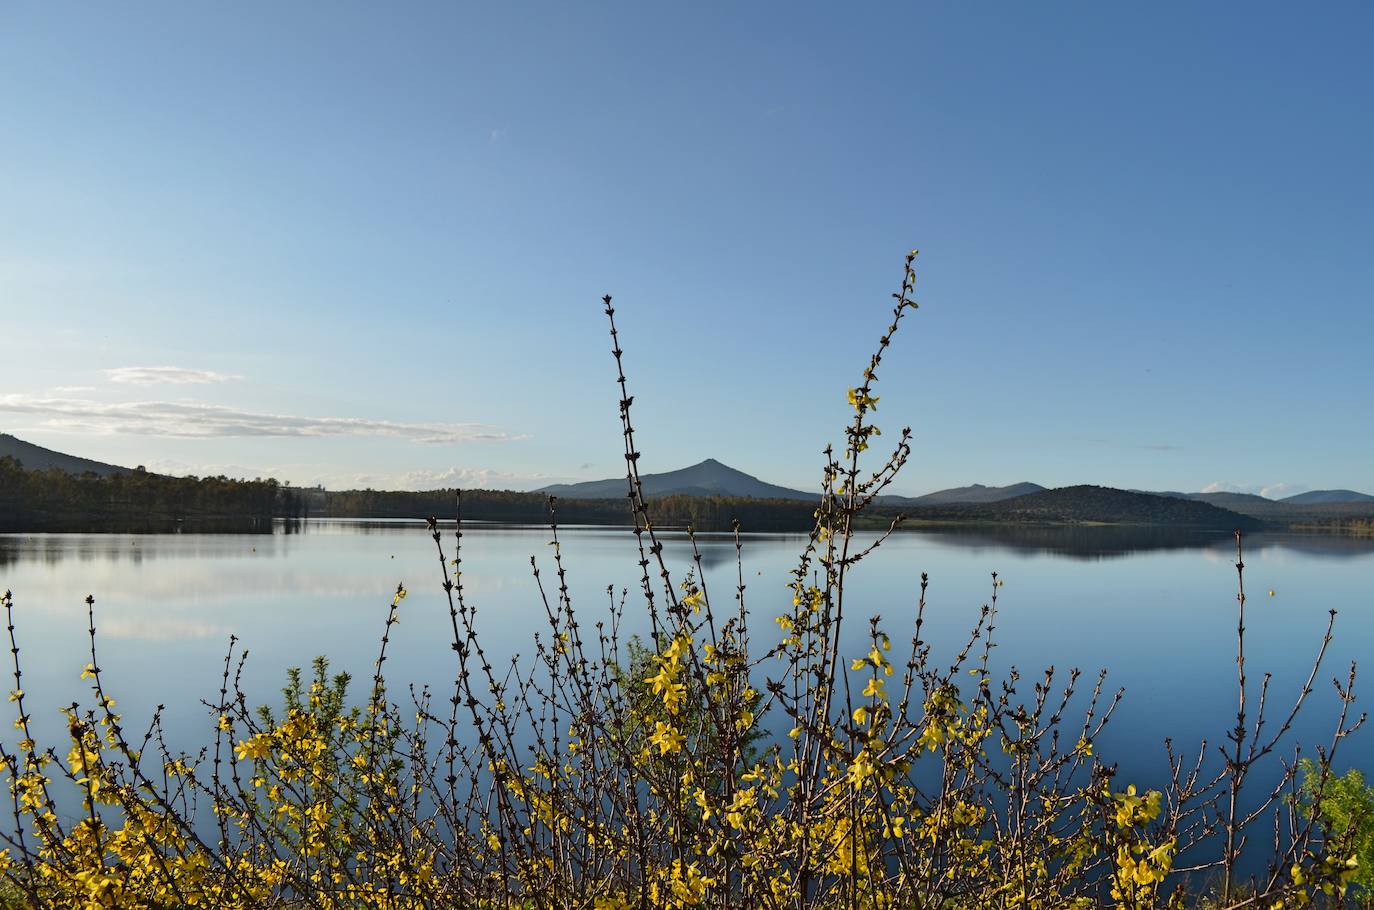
x,y
712,478
1088,503
1326,497
37,458
973,493
705,478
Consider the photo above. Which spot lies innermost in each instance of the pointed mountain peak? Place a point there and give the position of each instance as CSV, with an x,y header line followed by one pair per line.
x,y
710,477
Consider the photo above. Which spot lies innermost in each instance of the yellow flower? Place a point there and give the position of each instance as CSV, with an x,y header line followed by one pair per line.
x,y
677,648
674,694
254,747
862,768
667,738
703,804
861,401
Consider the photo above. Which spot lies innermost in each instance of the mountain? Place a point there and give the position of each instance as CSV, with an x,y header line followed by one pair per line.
x,y
1321,497
1317,506
975,493
1172,494
1107,505
37,458
1245,503
708,478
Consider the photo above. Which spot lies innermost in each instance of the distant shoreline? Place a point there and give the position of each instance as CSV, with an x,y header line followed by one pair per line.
x,y
142,502
228,524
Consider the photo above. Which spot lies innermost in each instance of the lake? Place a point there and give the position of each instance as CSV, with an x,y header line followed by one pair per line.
x,y
1156,608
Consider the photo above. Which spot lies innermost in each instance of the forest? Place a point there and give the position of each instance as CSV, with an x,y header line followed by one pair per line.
x,y
138,501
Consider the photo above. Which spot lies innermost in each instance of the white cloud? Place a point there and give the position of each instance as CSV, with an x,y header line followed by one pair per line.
x,y
195,420
1226,486
342,477
472,478
176,468
166,376
1269,491
73,389
1280,490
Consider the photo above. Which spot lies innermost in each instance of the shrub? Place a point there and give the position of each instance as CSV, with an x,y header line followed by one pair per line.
x,y
1344,806
617,774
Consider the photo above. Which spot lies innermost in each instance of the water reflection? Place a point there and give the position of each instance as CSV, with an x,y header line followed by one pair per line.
x,y
1087,542
1154,606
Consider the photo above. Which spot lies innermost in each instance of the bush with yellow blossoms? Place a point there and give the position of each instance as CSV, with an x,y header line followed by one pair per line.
x,y
692,769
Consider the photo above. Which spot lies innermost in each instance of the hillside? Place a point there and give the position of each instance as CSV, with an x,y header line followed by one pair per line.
x,y
1246,504
1291,510
1111,506
137,502
974,493
710,494
707,478
1327,497
1317,508
37,458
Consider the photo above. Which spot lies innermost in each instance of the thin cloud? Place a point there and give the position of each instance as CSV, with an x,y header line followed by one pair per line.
x,y
194,420
173,468
472,478
166,376
1151,446
339,477
163,628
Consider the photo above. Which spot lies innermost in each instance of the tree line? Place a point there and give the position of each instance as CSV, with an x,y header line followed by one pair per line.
x,y
138,500
707,513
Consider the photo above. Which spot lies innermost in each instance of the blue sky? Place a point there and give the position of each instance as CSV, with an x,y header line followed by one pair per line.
x,y
360,244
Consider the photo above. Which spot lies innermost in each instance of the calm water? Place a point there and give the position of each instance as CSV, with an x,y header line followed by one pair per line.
x,y
1156,609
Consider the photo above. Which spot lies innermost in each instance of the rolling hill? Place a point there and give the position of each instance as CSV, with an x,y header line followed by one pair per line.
x,y
1326,497
1317,505
974,493
1085,503
37,458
